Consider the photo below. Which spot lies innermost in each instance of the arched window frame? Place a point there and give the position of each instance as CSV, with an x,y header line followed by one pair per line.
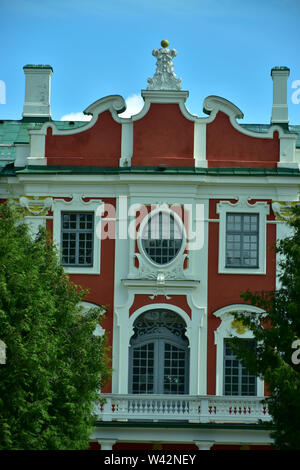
x,y
159,338
228,329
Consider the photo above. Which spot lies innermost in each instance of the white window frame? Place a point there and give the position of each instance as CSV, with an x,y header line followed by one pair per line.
x,y
77,204
243,206
124,330
227,330
144,222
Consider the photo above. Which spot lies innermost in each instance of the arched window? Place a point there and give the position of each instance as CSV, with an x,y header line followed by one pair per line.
x,y
232,378
162,237
159,354
237,380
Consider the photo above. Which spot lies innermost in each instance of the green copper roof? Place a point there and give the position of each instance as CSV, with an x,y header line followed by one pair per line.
x,y
9,170
296,130
262,128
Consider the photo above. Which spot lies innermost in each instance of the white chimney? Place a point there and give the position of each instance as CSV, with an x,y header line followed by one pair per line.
x,y
37,91
280,114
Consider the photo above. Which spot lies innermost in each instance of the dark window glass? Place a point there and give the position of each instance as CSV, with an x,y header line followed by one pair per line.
x,y
242,240
162,238
237,379
77,238
159,354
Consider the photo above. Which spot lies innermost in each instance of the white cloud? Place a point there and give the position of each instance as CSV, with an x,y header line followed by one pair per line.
x,y
76,117
134,104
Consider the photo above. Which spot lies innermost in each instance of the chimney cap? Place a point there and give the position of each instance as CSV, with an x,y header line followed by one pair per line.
x,y
37,66
280,69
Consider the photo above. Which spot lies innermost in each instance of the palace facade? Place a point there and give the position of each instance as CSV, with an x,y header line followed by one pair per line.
x,y
167,218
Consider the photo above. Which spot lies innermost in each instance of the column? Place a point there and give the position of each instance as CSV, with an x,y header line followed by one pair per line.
x,y
106,444
204,445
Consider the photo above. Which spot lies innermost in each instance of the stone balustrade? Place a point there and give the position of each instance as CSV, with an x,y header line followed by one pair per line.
x,y
202,409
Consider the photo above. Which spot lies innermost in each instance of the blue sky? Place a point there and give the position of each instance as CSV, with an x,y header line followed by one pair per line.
x,y
103,47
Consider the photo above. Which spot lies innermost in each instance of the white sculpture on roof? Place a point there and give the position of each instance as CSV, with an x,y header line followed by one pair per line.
x,y
164,77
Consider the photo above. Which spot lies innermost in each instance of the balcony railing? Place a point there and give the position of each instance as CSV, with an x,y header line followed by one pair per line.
x,y
200,409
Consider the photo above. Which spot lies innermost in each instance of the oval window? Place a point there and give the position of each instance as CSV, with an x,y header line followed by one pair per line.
x,y
162,238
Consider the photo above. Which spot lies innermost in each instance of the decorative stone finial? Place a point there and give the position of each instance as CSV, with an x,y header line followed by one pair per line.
x,y
164,43
164,77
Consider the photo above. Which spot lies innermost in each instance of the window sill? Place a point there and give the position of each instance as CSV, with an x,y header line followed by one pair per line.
x,y
81,269
242,271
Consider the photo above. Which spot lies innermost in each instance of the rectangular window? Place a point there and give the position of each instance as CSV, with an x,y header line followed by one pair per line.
x,y
237,379
242,240
77,237
143,369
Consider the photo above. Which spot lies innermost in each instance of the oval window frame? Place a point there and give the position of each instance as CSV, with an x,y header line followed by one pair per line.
x,y
145,221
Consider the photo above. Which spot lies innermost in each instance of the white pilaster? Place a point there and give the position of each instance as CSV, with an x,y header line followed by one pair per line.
x,y
106,444
204,445
200,144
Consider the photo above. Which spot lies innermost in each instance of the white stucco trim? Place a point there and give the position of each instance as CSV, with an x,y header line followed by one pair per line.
x,y
242,205
200,144
193,326
217,435
78,205
130,281
225,330
116,105
126,144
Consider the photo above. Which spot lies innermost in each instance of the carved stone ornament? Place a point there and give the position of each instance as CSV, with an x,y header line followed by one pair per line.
x,y
36,205
282,210
164,77
238,326
158,321
243,204
159,292
147,271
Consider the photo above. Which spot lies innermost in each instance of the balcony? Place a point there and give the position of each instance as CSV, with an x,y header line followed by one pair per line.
x,y
194,409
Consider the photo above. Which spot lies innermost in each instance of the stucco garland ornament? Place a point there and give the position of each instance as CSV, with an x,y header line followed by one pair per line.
x,y
36,205
164,77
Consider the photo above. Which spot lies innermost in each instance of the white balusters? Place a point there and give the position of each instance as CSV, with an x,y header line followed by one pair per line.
x,y
192,408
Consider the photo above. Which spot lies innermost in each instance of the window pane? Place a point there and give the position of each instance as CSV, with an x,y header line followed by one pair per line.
x,y
174,375
142,377
162,238
77,238
241,240
167,365
237,379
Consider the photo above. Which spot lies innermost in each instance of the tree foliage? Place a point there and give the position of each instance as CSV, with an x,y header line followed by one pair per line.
x,y
277,333
55,365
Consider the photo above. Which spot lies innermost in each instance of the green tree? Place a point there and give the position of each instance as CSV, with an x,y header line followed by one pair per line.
x,y
277,334
55,365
